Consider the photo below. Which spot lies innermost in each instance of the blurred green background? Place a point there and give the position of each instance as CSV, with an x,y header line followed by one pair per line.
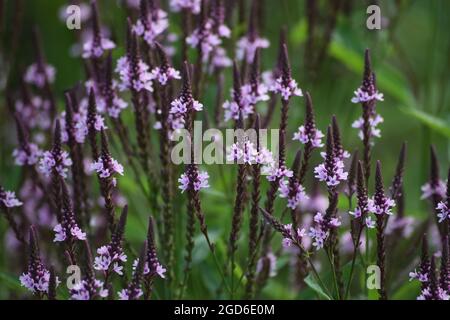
x,y
410,55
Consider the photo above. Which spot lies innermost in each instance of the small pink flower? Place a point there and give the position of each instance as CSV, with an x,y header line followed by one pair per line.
x,y
286,90
37,75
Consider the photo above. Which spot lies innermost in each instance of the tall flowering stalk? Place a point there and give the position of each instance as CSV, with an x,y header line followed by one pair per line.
x,y
239,204
164,75
151,23
286,86
359,220
309,136
152,267
106,167
253,222
54,164
110,257
380,205
133,291
367,94
76,154
435,190
68,231
41,74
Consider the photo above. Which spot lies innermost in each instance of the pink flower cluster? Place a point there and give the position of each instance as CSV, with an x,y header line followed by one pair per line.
x,y
35,112
293,193
152,26
291,236
115,108
286,88
367,221
374,121
79,125
429,190
96,46
164,74
246,47
200,181
8,198
38,75
321,229
251,95
444,211
105,168
58,162
332,176
158,268
208,38
109,259
379,207
68,229
277,173
314,136
179,110
362,95
129,81
27,156
83,290
36,280
192,6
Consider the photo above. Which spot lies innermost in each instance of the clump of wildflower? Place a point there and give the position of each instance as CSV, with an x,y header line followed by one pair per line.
x,y
27,156
150,25
98,44
428,190
152,266
55,160
111,256
37,277
38,74
82,290
9,199
321,228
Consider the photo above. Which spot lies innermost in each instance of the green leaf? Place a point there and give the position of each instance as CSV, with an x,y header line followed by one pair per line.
x,y
312,283
437,124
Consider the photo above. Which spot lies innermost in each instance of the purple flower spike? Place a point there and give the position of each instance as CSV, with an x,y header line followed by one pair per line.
x,y
285,85
443,207
111,257
165,72
38,75
332,170
106,166
95,47
320,231
308,134
8,198
68,230
133,290
251,42
367,92
37,277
